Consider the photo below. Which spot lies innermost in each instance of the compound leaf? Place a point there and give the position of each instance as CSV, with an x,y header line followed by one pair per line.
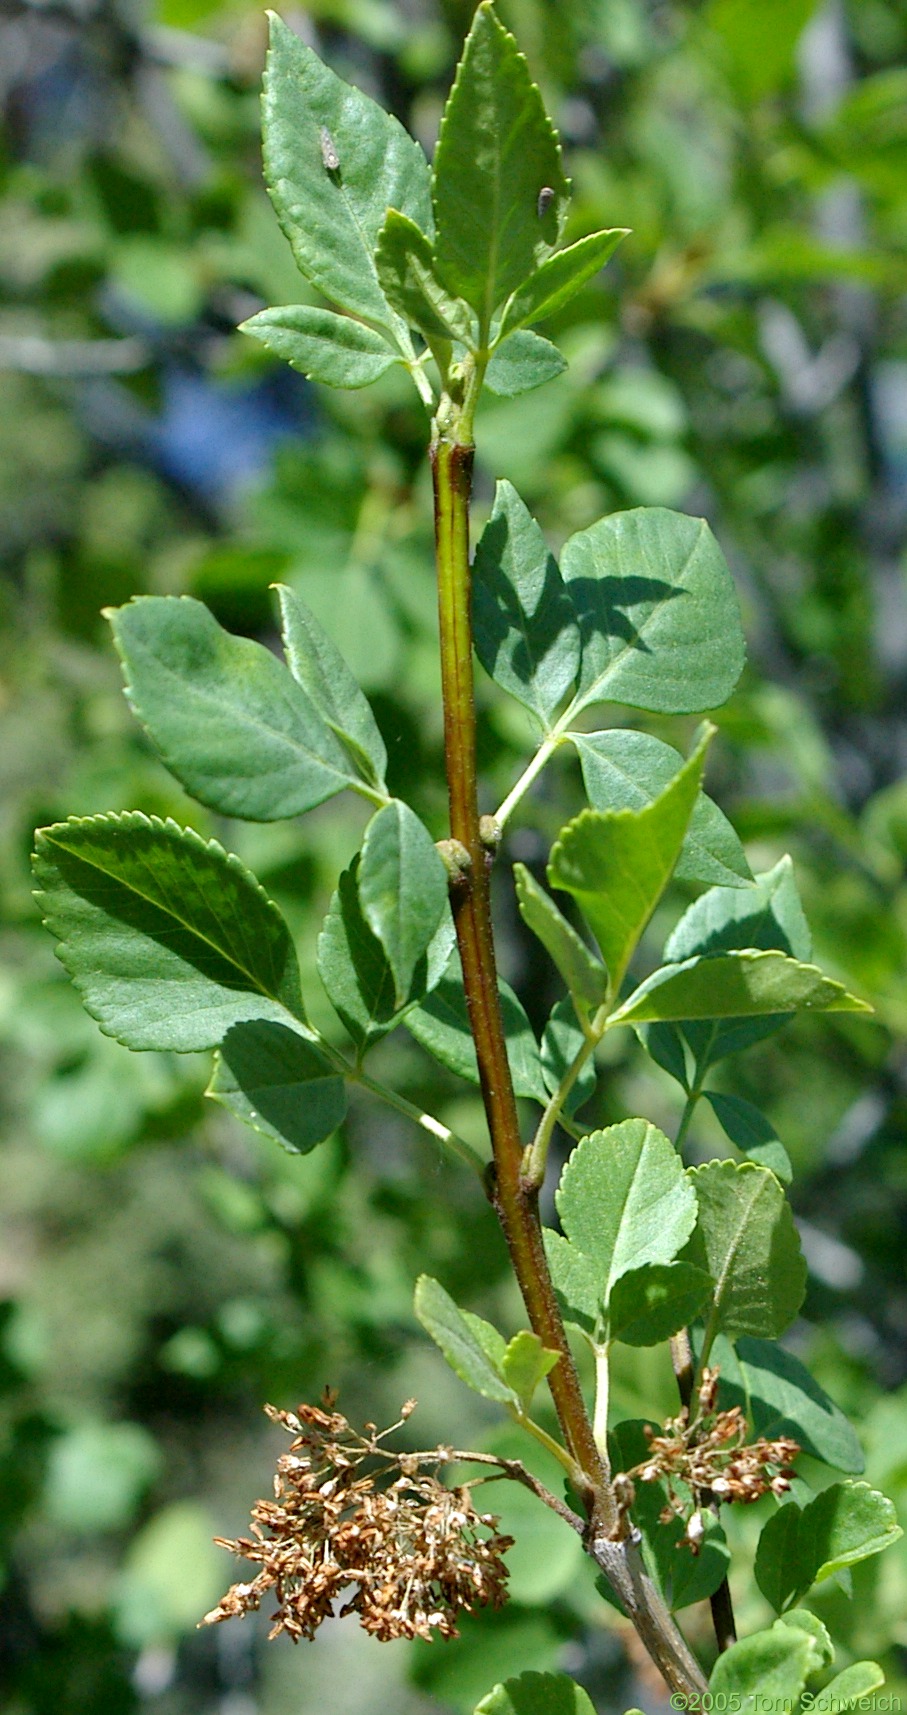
x,y
402,888
169,939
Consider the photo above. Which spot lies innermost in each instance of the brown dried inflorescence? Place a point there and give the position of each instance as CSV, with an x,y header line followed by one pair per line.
x,y
710,1456
405,1553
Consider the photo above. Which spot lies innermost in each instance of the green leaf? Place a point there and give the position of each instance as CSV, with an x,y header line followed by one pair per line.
x,y
657,610
279,1084
802,1620
559,279
318,666
584,974
354,967
524,361
562,1040
767,916
746,1239
456,1336
765,1671
525,633
402,889
623,1201
537,1694
441,1025
497,149
752,1133
169,940
649,1304
617,863
681,1576
322,345
228,718
735,985
845,1524
852,1683
526,1363
405,264
626,770
664,1043
783,1398
332,217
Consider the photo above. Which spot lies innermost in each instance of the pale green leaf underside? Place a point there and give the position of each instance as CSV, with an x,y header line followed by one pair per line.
x,y
852,1683
450,1330
765,1671
169,939
279,1084
525,1363
524,361
228,718
316,662
625,770
617,863
322,345
355,970
402,889
559,278
658,612
332,218
538,1694
746,1240
497,149
742,984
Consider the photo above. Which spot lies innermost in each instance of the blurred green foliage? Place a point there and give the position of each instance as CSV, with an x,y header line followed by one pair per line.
x,y
744,356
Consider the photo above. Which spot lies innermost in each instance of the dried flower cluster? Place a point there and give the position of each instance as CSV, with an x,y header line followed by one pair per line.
x,y
709,1455
405,1553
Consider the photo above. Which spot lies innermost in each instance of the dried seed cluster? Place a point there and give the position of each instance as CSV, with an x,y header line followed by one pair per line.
x,y
405,1553
710,1456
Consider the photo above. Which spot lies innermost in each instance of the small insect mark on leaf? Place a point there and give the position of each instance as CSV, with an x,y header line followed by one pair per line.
x,y
546,198
329,154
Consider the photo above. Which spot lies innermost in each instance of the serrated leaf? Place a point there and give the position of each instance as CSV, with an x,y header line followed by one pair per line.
x,y
783,1398
525,634
752,1132
523,362
229,720
769,916
323,346
626,770
617,863
318,666
355,971
405,264
649,1304
441,1025
851,1684
559,279
537,1694
526,1363
332,216
845,1524
765,1671
452,1333
623,1200
657,611
169,939
584,974
746,1240
279,1084
735,985
497,150
402,889
562,1040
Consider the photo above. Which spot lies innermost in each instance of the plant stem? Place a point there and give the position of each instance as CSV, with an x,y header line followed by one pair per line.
x,y
536,1156
602,1394
457,1146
